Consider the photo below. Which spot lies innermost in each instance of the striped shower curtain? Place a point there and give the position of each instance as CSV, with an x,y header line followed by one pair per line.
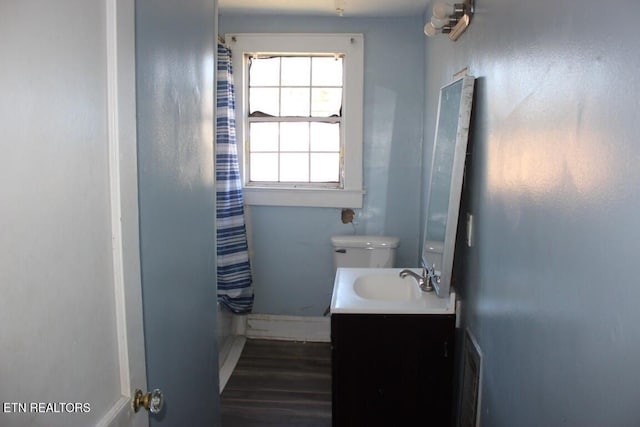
x,y
234,273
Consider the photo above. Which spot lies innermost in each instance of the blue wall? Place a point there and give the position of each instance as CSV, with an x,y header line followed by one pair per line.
x,y
292,254
550,288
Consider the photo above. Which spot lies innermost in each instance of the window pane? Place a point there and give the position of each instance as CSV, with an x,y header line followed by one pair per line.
x,y
264,100
294,167
294,136
296,71
295,102
326,102
263,137
264,167
327,72
325,167
325,136
264,72
289,151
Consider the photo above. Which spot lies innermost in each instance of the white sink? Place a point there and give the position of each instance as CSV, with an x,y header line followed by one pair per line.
x,y
386,287
381,290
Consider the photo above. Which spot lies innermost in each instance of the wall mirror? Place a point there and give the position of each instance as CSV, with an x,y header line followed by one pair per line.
x,y
445,183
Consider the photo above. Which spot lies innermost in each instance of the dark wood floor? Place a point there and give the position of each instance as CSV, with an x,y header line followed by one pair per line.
x,y
279,383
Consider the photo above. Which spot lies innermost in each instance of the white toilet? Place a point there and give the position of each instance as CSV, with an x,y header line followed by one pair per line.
x,y
364,251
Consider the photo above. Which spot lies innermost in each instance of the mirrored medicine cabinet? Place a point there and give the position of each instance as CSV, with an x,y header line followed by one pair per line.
x,y
445,182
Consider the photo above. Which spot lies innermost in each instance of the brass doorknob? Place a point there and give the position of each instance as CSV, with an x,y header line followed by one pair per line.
x,y
151,401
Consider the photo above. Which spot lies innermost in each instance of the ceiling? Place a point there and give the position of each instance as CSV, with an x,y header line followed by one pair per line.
x,y
352,8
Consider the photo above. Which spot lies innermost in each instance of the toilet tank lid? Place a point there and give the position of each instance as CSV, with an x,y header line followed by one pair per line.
x,y
365,241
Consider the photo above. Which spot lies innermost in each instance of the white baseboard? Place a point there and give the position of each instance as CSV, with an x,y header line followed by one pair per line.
x,y
239,324
289,328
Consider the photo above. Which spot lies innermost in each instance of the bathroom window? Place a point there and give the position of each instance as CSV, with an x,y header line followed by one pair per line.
x,y
299,118
295,105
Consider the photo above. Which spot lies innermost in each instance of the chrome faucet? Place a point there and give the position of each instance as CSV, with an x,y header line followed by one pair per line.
x,y
424,282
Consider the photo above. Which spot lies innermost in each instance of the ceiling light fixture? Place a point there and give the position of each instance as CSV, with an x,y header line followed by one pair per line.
x,y
449,19
339,7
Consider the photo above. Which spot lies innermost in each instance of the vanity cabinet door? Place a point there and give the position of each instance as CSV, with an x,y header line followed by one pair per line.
x,y
392,370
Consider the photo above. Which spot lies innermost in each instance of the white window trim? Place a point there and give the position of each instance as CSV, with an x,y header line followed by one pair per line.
x,y
352,46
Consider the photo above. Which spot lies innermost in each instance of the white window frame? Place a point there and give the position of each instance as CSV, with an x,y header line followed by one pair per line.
x,y
352,47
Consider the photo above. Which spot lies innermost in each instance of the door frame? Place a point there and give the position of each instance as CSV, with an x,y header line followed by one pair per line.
x,y
123,171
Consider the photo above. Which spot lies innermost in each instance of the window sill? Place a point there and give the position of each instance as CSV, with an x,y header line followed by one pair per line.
x,y
327,198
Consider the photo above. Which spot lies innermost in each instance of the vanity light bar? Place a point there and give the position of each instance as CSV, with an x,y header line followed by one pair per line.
x,y
450,19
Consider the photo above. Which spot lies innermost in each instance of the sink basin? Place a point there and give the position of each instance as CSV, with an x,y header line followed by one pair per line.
x,y
382,290
387,287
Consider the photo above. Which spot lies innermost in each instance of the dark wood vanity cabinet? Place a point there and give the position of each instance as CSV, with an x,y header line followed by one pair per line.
x,y
392,370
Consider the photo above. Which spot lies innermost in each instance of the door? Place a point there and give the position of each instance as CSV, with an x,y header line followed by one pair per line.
x,y
71,336
174,73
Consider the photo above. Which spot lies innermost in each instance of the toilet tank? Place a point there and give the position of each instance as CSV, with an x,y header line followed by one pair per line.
x,y
364,251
